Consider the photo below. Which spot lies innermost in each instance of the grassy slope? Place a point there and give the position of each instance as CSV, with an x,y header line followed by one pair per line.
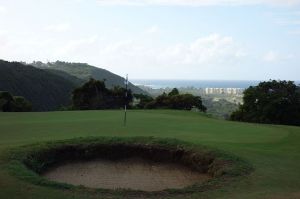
x,y
274,151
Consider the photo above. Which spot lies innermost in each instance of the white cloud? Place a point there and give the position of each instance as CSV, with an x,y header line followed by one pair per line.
x,y
271,56
294,32
213,49
288,22
210,54
152,30
2,9
63,27
38,47
15,48
197,2
74,45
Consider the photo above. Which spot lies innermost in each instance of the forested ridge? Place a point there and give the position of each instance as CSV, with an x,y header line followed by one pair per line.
x,y
49,86
84,72
45,90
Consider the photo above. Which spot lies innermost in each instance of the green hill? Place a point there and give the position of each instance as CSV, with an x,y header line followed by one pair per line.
x,y
85,72
66,76
45,89
49,86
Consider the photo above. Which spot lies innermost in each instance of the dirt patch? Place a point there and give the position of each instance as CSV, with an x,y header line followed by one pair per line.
x,y
132,173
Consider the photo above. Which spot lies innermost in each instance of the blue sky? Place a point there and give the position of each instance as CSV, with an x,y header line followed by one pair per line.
x,y
158,39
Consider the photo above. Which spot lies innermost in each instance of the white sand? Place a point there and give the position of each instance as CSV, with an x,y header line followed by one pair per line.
x,y
133,173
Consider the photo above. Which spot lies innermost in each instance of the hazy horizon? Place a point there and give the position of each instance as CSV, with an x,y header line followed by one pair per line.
x,y
245,80
168,83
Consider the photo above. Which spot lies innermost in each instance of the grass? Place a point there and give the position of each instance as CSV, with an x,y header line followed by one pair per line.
x,y
274,151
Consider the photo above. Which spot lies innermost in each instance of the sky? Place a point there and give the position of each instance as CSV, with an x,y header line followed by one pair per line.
x,y
158,39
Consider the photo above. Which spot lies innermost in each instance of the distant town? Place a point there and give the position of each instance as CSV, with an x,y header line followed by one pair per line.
x,y
220,102
231,94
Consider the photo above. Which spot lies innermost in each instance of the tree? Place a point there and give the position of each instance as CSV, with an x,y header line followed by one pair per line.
x,y
6,101
174,100
9,103
143,100
173,92
21,104
276,102
186,102
94,95
118,97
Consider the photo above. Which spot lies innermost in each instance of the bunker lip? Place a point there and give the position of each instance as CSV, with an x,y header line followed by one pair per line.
x,y
40,158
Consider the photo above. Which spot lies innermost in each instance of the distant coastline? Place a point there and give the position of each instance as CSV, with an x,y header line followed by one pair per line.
x,y
157,84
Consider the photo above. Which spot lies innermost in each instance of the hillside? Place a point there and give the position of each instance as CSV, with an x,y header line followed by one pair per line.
x,y
85,72
45,90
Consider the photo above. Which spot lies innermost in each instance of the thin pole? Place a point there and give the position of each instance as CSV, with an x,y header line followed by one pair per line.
x,y
125,106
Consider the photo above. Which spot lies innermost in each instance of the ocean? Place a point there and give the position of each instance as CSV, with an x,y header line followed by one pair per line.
x,y
194,83
197,83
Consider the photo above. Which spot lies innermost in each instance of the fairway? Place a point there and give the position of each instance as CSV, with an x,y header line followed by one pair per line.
x,y
273,151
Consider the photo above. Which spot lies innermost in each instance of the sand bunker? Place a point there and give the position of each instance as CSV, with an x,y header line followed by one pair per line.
x,y
136,163
132,173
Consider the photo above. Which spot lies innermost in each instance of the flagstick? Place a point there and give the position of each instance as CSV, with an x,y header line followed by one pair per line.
x,y
125,107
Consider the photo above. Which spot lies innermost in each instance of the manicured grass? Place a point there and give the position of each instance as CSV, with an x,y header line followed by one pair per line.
x,y
273,151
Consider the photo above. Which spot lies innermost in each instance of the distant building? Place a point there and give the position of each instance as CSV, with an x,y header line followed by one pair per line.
x,y
226,91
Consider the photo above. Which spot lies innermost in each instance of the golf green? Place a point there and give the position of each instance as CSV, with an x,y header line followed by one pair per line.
x,y
272,150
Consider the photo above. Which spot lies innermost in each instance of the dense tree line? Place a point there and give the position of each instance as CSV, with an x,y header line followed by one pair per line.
x,y
9,103
94,95
172,100
276,102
